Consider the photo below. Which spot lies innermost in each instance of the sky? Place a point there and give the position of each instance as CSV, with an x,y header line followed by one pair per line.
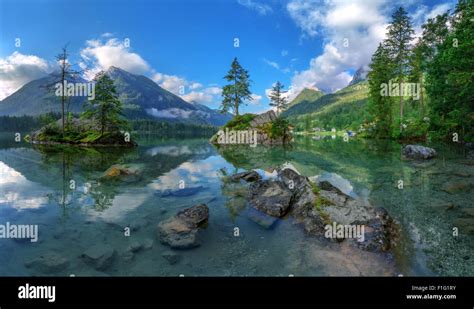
x,y
186,46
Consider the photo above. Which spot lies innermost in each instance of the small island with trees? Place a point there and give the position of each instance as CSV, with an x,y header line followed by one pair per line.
x,y
269,127
102,122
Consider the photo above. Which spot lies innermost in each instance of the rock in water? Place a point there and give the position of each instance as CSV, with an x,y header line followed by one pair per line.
x,y
248,176
171,257
456,187
195,216
47,263
271,197
418,152
181,231
124,172
99,256
260,218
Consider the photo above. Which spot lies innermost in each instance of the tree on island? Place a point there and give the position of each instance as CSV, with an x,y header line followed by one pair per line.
x,y
400,33
277,100
237,91
106,109
65,73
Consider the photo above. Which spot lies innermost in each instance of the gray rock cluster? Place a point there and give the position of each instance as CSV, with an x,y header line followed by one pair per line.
x,y
295,195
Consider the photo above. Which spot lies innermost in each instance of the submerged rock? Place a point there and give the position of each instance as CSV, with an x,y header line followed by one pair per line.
x,y
260,218
181,231
270,197
100,257
248,176
124,172
171,257
47,263
418,152
456,187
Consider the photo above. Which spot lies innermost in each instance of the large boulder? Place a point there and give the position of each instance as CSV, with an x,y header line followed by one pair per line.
x,y
263,118
418,152
181,231
248,176
271,197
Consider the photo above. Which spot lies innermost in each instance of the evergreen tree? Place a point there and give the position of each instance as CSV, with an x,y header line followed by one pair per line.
x,y
237,91
400,33
380,105
106,108
277,100
450,77
417,68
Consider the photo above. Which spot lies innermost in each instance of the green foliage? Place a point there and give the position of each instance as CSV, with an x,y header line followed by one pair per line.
x,y
450,77
106,109
344,109
279,128
237,91
380,106
26,123
240,122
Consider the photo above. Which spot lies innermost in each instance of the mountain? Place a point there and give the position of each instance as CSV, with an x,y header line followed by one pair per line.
x,y
142,99
306,95
345,108
34,99
359,75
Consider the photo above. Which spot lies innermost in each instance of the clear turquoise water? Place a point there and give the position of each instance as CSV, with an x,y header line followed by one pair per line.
x,y
35,189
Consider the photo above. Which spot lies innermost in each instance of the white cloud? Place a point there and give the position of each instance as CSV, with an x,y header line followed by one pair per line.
x,y
352,32
171,83
208,95
261,8
195,86
271,63
19,69
100,55
284,53
306,14
256,99
439,9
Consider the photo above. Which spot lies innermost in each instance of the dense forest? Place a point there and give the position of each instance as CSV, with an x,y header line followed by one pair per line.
x,y
430,79
26,123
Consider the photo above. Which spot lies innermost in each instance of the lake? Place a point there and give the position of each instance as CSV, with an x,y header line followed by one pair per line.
x,y
62,190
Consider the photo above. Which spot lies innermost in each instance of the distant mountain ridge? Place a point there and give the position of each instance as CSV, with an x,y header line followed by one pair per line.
x,y
142,99
306,95
343,108
359,75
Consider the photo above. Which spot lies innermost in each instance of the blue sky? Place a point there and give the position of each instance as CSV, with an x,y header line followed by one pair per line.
x,y
190,43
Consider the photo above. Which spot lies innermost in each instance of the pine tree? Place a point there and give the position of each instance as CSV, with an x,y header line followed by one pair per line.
x,y
417,68
277,100
450,77
380,105
400,33
106,108
237,91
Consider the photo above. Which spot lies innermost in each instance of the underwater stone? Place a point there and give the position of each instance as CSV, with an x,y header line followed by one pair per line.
x,y
99,256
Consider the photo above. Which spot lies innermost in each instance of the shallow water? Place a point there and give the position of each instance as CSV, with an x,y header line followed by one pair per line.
x,y
35,188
